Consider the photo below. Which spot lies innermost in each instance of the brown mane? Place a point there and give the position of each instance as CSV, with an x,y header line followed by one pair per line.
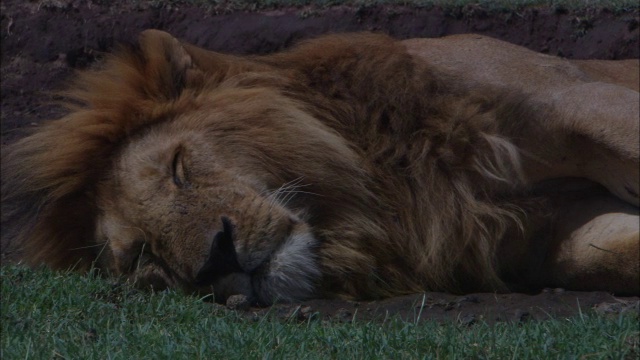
x,y
453,225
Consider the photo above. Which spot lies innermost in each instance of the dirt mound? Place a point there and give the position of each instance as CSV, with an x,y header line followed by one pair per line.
x,y
44,41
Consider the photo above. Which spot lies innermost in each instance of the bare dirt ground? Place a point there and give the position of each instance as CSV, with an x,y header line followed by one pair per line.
x,y
43,42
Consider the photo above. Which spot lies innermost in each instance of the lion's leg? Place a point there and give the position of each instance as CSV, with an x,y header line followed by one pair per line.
x,y
592,131
581,117
595,245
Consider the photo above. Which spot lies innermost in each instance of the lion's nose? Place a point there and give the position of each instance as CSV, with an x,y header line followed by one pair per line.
x,y
222,256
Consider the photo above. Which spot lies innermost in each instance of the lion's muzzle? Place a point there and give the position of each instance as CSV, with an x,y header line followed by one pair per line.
x,y
288,274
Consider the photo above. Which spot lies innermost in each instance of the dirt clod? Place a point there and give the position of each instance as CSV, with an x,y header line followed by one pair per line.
x,y
303,313
467,319
618,307
343,315
522,315
238,302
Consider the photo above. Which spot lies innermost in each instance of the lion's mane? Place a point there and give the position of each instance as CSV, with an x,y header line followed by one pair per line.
x,y
426,208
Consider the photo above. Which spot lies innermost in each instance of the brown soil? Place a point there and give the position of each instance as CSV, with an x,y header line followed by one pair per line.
x,y
466,310
44,41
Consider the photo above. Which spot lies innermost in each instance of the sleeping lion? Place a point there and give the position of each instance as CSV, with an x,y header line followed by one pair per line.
x,y
352,166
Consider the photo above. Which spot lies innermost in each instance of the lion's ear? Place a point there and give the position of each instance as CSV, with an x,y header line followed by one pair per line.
x,y
168,67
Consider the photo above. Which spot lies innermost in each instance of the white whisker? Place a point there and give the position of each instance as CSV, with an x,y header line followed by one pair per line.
x,y
283,195
90,246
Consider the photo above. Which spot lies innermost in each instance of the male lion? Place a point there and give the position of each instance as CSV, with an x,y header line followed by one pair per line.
x,y
353,166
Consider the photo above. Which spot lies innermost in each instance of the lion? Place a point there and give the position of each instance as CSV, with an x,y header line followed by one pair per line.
x,y
353,166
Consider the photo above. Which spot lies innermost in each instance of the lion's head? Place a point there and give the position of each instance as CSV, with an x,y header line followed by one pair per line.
x,y
181,172
214,193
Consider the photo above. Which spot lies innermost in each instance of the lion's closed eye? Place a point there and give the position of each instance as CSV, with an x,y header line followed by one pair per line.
x,y
177,168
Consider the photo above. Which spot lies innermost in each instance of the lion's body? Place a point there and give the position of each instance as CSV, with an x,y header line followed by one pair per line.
x,y
352,166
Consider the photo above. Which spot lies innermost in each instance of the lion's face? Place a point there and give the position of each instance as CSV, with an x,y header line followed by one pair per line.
x,y
197,209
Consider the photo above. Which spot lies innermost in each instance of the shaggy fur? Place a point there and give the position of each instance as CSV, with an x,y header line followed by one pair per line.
x,y
394,179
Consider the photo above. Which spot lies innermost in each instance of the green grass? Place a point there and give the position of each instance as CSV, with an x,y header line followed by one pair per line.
x,y
56,315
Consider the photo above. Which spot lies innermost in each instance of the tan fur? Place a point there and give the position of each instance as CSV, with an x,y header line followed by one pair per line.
x,y
347,166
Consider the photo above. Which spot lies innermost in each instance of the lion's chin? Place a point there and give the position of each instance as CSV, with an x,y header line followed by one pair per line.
x,y
289,275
